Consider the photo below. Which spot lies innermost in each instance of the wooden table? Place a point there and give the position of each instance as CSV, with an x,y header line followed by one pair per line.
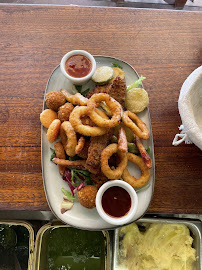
x,y
164,46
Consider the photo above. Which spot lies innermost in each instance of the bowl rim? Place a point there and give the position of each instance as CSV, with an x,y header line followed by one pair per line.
x,y
185,107
134,202
76,52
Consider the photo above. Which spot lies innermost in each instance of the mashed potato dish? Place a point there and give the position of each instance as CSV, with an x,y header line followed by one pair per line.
x,y
159,247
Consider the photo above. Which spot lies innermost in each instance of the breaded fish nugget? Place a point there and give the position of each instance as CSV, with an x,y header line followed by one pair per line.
x,y
47,117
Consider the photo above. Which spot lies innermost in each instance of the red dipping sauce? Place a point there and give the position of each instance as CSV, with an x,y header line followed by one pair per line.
x,y
78,66
116,201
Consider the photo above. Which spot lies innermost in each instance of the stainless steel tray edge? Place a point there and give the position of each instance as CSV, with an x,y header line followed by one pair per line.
x,y
30,229
56,224
195,227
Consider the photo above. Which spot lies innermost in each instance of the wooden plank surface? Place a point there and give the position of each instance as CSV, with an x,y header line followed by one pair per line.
x,y
164,46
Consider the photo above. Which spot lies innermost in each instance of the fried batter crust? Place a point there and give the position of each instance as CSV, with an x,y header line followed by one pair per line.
x,y
84,152
65,111
99,89
117,90
87,195
54,100
99,179
97,145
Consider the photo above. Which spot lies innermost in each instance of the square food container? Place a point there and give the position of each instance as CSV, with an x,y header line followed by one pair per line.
x,y
16,245
59,244
193,226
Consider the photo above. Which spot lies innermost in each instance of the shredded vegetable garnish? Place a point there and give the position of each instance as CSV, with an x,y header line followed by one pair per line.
x,y
136,83
117,65
85,92
53,154
143,188
149,151
76,179
68,195
78,88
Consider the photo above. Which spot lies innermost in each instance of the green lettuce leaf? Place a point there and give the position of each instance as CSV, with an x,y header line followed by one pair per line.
x,y
68,195
136,83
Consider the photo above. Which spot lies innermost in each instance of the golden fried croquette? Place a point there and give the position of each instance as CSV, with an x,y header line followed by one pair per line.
x,y
64,111
53,130
54,100
87,196
47,117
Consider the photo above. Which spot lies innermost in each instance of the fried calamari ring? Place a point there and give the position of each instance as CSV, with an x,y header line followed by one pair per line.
x,y
105,108
53,130
76,99
146,158
47,117
105,156
68,138
60,153
139,128
80,145
122,141
145,172
113,105
75,120
79,164
87,121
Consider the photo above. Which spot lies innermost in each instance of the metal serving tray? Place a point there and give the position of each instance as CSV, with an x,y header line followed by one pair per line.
x,y
30,230
195,231
41,247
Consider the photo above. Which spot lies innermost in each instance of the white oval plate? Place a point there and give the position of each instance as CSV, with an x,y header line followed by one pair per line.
x,y
79,216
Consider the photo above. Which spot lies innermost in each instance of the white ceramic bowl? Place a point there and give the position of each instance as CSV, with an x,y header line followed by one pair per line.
x,y
134,202
78,81
190,109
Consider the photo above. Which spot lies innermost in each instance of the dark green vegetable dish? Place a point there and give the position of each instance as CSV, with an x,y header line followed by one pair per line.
x,y
69,248
14,246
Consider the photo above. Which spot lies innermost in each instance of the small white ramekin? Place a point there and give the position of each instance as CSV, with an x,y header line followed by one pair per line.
x,y
134,202
78,81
